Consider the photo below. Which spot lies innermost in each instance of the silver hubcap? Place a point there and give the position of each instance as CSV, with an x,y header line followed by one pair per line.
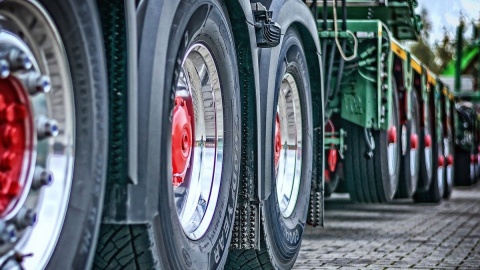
x,y
196,197
392,152
34,223
448,152
440,173
427,150
414,152
289,168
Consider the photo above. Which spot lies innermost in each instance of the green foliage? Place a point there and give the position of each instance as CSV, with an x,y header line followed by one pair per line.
x,y
422,49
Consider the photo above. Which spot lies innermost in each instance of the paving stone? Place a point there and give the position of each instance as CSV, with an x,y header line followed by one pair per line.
x,y
400,235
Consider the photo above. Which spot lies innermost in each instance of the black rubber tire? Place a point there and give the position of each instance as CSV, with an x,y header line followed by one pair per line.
x,y
462,171
435,192
425,180
75,248
281,236
335,179
369,180
161,242
408,182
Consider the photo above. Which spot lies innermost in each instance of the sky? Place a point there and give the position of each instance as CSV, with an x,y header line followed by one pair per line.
x,y
446,14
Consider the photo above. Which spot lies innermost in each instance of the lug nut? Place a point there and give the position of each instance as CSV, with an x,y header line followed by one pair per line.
x,y
25,218
19,60
46,128
8,233
4,69
41,177
36,83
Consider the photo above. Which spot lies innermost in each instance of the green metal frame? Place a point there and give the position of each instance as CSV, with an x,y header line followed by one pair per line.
x,y
366,100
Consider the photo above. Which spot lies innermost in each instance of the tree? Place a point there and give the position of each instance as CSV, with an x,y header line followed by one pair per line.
x,y
444,51
422,49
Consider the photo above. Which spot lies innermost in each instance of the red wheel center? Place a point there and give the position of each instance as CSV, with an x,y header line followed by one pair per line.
x,y
392,135
414,141
428,140
441,161
449,160
16,140
181,141
332,159
278,141
332,156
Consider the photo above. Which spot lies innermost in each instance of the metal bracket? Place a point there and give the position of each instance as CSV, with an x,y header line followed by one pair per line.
x,y
268,33
370,142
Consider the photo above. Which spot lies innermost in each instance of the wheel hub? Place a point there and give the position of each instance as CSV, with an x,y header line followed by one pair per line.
x,y
428,140
34,147
441,161
332,159
392,135
181,141
332,153
449,160
16,123
278,141
290,157
414,141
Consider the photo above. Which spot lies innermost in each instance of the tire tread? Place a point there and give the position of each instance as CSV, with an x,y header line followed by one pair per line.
x,y
124,246
249,259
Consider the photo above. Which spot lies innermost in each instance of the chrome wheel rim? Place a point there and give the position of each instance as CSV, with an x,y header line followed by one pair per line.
x,y
392,149
48,84
196,193
472,169
448,162
414,167
427,141
289,166
440,170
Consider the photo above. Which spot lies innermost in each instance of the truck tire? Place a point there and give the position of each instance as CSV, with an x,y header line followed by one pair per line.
x,y
449,166
193,147
334,179
373,180
464,168
435,192
333,166
284,213
410,164
54,126
426,152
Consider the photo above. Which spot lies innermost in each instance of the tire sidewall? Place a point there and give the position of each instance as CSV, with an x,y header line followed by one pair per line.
x,y
426,180
390,186
84,48
200,21
284,234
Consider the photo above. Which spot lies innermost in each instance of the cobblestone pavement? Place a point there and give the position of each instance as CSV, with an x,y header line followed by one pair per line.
x,y
399,235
